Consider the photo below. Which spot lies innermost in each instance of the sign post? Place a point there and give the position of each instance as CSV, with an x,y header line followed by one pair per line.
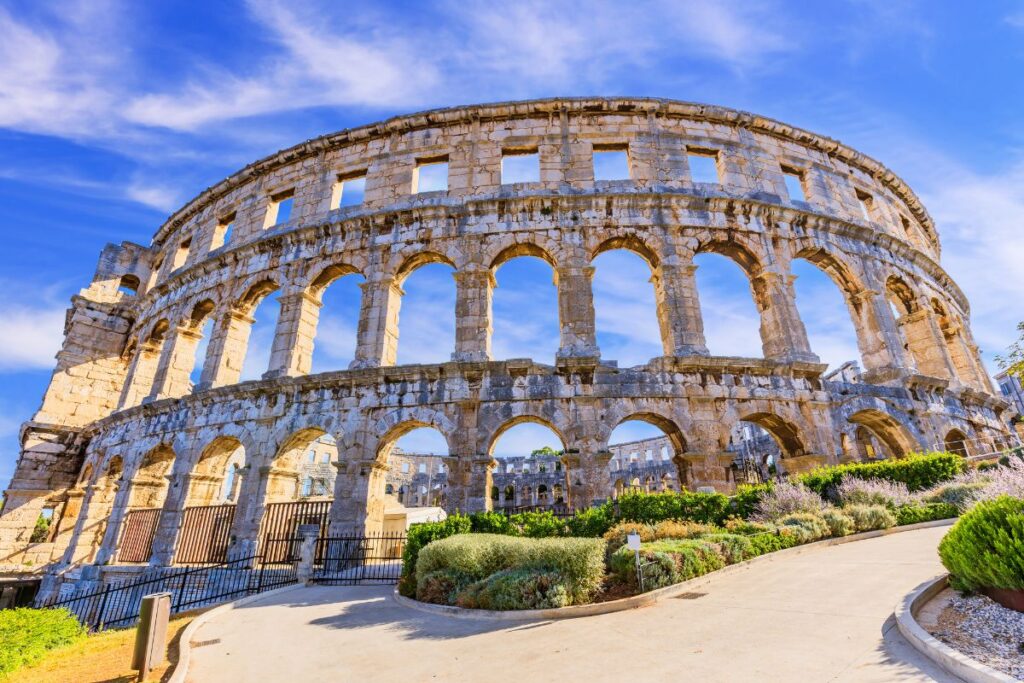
x,y
633,543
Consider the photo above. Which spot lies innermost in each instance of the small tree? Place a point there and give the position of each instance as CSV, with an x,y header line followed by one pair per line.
x,y
1013,361
546,450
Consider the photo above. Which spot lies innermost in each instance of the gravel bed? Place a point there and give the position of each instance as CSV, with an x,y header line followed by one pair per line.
x,y
984,631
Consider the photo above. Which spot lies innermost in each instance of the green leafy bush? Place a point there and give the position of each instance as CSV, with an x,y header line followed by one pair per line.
x,y
592,522
666,562
870,517
917,471
542,524
707,508
769,542
28,634
916,513
474,557
513,589
985,548
807,527
441,586
744,503
733,547
418,536
747,527
489,523
839,523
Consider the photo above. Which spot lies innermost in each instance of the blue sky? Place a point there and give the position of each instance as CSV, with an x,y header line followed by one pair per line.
x,y
113,114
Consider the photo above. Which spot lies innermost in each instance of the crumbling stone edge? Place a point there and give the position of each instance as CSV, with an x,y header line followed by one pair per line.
x,y
646,599
948,659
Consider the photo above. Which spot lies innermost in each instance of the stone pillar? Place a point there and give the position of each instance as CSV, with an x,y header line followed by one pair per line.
x,y
709,469
175,367
966,359
112,530
226,352
927,344
576,311
473,322
469,484
165,540
245,528
783,335
292,352
682,327
141,374
358,505
377,345
881,346
588,480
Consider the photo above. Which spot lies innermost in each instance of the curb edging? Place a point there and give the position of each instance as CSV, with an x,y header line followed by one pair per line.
x,y
185,641
655,596
948,659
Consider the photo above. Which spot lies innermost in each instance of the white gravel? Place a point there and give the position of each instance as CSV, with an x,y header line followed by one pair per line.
x,y
985,631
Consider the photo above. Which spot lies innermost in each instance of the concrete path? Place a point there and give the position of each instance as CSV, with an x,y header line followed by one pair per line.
x,y
822,615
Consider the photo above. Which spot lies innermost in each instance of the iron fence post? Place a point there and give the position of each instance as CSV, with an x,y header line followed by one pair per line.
x,y
103,607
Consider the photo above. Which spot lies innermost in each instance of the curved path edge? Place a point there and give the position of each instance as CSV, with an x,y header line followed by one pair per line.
x,y
647,599
950,660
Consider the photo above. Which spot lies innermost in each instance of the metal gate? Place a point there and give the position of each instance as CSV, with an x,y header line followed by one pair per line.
x,y
137,538
205,534
351,560
281,522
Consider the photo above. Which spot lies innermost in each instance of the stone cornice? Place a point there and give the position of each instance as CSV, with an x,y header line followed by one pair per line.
x,y
547,108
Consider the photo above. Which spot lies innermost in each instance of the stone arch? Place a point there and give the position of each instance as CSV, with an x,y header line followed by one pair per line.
x,y
522,249
743,255
666,424
409,264
395,424
955,441
327,276
901,295
492,438
631,243
480,291
785,433
893,434
149,482
209,475
254,294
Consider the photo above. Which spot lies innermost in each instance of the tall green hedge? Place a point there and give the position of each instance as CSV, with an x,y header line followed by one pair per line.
x,y
418,536
707,508
28,634
917,471
985,548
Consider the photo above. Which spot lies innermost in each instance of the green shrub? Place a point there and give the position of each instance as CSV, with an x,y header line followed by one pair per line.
x,y
839,523
579,561
924,512
666,562
513,589
805,526
441,586
707,508
744,503
671,528
418,536
985,548
870,517
959,494
733,547
489,523
768,542
747,527
917,471
27,634
537,524
592,522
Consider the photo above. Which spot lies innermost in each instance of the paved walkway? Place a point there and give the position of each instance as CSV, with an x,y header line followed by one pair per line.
x,y
818,616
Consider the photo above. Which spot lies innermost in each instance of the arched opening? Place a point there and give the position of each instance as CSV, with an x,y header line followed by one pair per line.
x,y
145,502
263,311
911,327
825,312
524,306
732,322
417,473
648,448
98,507
335,323
129,285
213,487
533,449
625,309
199,329
297,490
144,367
425,326
955,441
761,442
879,435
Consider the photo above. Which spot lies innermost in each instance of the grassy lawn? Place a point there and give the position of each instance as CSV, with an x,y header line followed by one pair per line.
x,y
102,657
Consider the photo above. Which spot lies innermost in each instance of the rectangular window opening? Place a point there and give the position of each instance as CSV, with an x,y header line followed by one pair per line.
x,y
222,233
611,162
703,166
181,255
520,166
867,205
279,209
349,190
794,180
430,175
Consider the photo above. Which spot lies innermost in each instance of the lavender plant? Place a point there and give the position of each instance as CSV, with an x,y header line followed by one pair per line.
x,y
785,498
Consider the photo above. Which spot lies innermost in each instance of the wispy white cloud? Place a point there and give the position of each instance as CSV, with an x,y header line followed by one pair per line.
x,y
33,333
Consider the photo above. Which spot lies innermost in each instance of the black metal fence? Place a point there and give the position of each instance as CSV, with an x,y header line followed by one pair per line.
x,y
352,560
282,520
116,605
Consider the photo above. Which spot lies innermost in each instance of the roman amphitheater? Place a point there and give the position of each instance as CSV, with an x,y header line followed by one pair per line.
x,y
123,438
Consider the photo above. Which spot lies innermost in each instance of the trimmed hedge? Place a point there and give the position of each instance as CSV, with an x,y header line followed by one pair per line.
x,y
985,548
417,537
707,508
28,634
462,560
928,512
917,471
666,562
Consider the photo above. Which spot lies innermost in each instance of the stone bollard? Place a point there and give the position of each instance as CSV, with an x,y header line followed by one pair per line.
x,y
307,552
